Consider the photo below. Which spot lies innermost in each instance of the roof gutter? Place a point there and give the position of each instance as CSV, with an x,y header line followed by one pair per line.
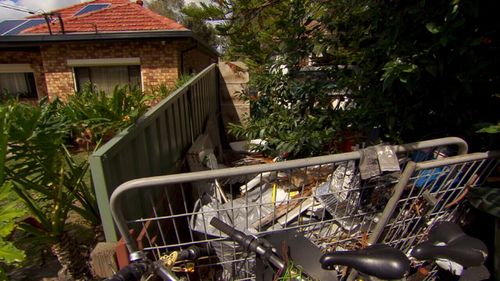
x,y
31,40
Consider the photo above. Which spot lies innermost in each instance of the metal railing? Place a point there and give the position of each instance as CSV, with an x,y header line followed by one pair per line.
x,y
177,220
155,144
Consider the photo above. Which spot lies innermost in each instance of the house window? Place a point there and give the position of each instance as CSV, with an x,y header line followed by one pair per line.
x,y
18,84
106,78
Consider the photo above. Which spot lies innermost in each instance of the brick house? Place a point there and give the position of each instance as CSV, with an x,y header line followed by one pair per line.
x,y
105,42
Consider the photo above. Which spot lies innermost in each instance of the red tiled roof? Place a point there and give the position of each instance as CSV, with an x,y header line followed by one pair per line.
x,y
122,15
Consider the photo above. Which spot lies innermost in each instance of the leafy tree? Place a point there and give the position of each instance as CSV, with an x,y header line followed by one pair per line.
x,y
414,69
293,110
193,16
169,8
196,17
425,68
260,31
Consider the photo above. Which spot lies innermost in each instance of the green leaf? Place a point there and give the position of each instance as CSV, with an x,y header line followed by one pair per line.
x,y
10,210
3,276
9,253
432,28
8,215
492,129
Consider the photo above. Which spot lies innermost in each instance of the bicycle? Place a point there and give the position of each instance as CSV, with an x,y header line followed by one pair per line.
x,y
447,245
381,261
139,266
164,267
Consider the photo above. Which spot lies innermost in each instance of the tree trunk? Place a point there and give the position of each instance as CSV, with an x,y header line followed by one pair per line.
x,y
72,258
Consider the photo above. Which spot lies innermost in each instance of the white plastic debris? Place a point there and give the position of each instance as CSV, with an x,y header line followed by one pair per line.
x,y
258,180
248,146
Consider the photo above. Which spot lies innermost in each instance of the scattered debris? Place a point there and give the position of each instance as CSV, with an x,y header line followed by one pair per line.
x,y
261,179
377,159
368,165
387,159
248,146
304,197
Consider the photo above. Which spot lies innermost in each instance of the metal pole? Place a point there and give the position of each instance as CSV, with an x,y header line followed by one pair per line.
x,y
391,205
389,209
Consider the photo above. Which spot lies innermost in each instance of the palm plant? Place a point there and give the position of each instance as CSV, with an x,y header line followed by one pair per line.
x,y
49,181
96,115
9,212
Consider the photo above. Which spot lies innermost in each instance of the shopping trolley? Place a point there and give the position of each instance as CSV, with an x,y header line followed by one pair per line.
x,y
322,198
429,192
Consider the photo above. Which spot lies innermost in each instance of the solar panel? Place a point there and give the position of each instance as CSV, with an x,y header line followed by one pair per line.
x,y
91,7
7,25
25,25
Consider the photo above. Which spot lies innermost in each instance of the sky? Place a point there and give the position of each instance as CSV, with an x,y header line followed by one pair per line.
x,y
39,5
35,5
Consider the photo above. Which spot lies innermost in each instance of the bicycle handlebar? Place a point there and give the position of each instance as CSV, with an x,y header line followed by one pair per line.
x,y
132,272
249,243
135,270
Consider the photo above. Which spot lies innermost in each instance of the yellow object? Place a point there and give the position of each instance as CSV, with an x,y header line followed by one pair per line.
x,y
293,193
273,198
170,259
188,267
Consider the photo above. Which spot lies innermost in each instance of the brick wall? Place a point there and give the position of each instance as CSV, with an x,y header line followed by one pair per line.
x,y
159,62
31,57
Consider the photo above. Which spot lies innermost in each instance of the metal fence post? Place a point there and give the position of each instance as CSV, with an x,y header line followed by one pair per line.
x,y
189,94
101,192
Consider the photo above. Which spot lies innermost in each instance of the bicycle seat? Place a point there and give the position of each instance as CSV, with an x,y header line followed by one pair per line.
x,y
378,260
447,241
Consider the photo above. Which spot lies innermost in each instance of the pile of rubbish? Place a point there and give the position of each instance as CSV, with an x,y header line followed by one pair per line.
x,y
330,203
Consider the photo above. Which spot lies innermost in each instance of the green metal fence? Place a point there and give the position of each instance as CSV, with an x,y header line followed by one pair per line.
x,y
156,144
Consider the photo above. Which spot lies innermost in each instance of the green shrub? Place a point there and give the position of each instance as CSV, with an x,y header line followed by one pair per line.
x,y
414,69
47,178
94,115
295,116
10,211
